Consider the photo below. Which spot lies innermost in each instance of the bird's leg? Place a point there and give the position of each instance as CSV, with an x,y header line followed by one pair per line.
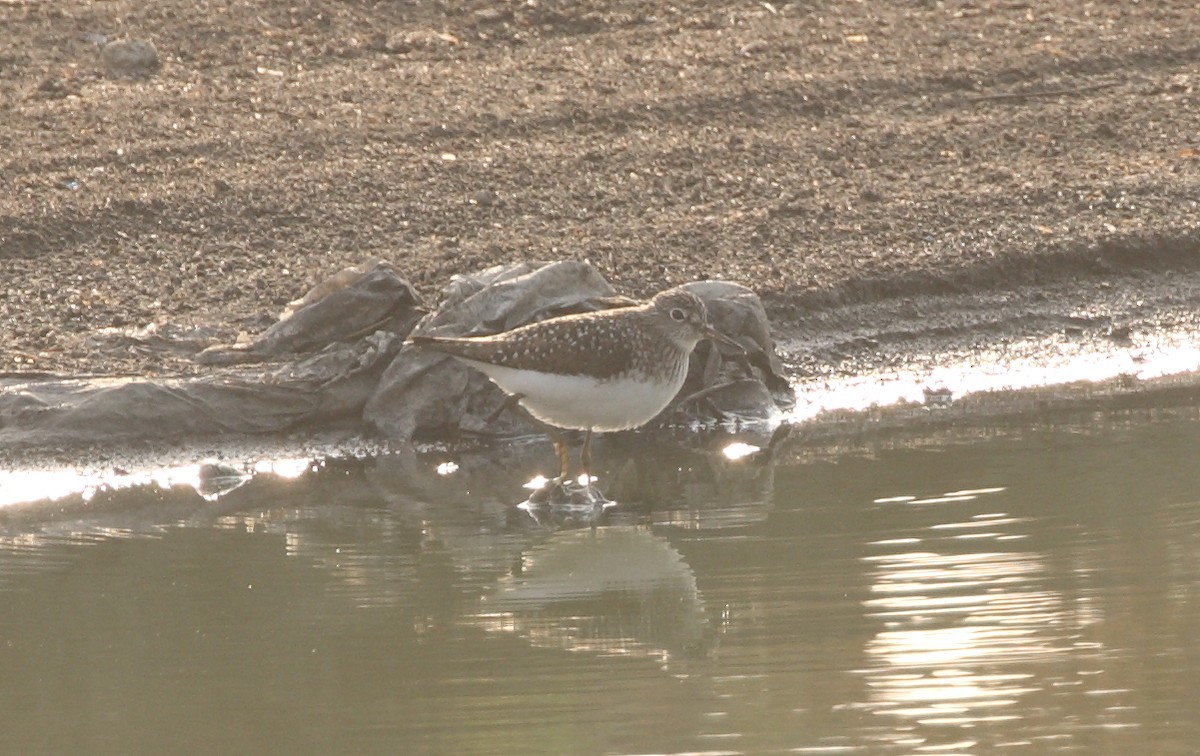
x,y
561,449
585,458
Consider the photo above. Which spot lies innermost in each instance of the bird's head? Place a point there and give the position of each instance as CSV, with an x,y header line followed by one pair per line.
x,y
685,319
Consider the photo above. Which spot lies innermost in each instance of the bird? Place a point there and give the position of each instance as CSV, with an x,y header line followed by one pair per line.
x,y
602,371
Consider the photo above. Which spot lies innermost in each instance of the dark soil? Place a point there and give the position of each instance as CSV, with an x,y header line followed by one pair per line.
x,y
819,152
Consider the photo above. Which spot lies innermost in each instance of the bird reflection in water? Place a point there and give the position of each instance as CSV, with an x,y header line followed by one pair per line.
x,y
609,591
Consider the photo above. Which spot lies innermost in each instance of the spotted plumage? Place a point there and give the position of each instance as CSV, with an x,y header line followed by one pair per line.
x,y
609,370
640,341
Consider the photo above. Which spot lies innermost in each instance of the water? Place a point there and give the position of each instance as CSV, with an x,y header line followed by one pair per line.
x,y
1026,587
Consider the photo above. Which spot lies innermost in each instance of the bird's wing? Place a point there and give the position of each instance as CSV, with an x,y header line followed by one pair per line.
x,y
559,345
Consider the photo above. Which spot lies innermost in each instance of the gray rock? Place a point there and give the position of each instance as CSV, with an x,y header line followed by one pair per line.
x,y
736,311
344,308
329,353
129,58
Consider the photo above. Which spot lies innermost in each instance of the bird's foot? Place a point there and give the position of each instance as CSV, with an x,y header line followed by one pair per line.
x,y
568,496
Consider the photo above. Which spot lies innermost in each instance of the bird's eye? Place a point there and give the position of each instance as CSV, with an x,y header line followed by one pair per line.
x,y
678,314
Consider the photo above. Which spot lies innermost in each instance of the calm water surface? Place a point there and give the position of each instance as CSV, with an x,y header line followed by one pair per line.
x,y
1026,588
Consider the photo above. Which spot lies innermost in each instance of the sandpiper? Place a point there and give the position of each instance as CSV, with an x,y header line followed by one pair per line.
x,y
595,371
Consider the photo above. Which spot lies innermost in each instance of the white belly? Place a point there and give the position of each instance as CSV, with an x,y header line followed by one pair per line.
x,y
574,401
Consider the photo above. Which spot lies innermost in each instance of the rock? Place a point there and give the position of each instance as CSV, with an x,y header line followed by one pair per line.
x,y
737,312
411,41
1119,333
493,15
334,346
351,304
130,58
753,47
485,198
57,86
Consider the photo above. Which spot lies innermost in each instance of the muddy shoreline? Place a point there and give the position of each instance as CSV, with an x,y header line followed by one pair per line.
x,y
64,483
932,362
905,187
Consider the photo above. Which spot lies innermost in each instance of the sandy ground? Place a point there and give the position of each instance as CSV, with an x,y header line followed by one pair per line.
x,y
827,154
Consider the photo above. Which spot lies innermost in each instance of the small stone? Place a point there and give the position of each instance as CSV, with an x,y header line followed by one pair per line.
x,y
58,87
485,198
412,41
493,15
753,48
1122,333
129,58
938,397
377,42
398,44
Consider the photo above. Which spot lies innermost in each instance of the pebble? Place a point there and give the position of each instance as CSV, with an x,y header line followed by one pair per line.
x,y
485,198
493,15
753,48
129,58
1119,333
938,397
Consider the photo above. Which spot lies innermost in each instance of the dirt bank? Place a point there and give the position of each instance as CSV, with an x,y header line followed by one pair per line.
x,y
821,153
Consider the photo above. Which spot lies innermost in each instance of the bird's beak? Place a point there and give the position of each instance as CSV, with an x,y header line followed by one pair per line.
x,y
721,338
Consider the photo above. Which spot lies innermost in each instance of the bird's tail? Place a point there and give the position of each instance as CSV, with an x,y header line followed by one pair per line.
x,y
423,341
468,348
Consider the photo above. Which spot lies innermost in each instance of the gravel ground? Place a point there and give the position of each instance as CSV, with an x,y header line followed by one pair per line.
x,y
823,153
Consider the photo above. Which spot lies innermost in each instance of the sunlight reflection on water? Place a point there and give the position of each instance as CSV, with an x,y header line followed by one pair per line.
x,y
966,631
